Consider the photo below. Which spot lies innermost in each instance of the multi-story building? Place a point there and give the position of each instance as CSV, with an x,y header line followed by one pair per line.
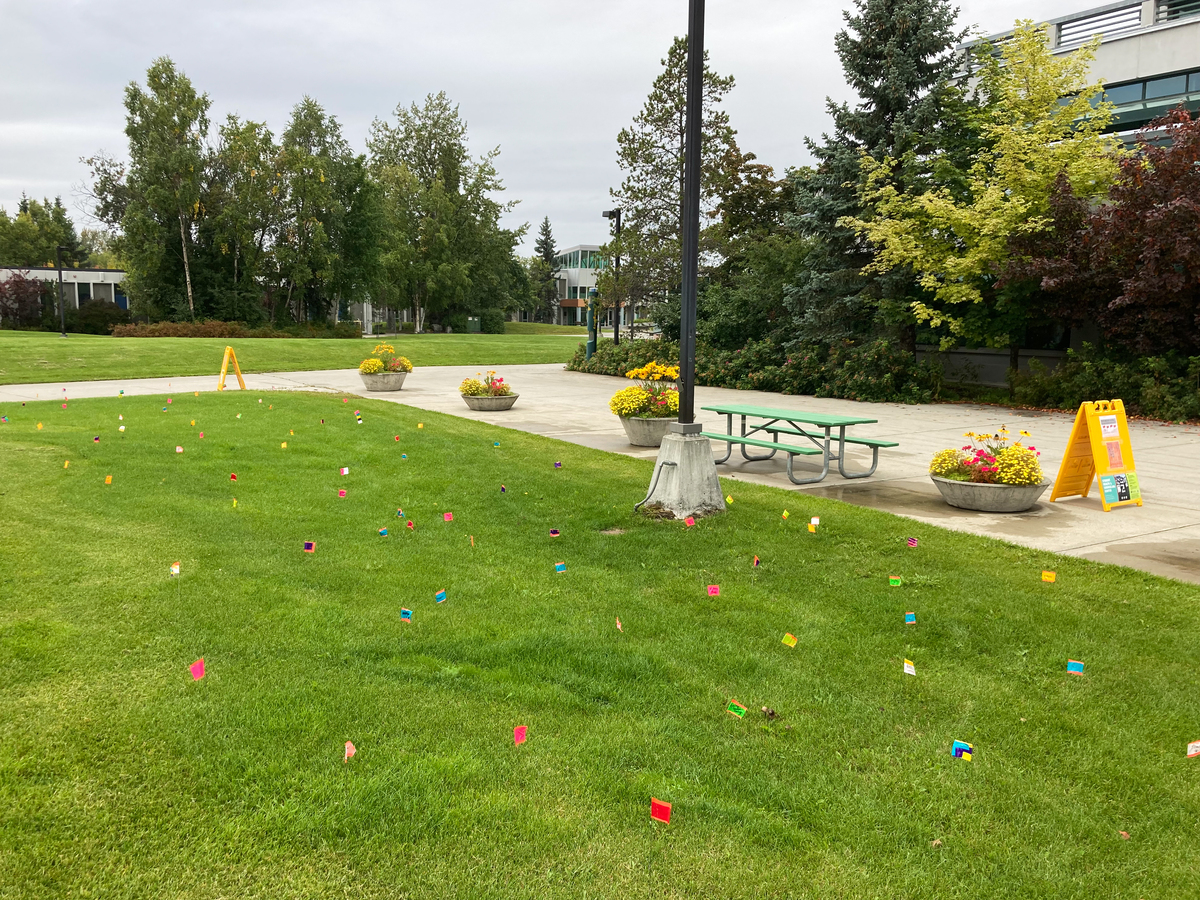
x,y
79,285
577,268
1148,59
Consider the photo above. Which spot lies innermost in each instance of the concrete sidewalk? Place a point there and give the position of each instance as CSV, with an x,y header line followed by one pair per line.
x,y
1162,537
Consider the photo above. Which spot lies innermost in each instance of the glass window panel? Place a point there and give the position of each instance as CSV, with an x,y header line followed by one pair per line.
x,y
1166,87
1125,93
575,259
1194,81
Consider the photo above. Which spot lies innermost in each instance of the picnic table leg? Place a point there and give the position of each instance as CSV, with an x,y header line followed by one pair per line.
x,y
842,456
750,458
728,444
824,470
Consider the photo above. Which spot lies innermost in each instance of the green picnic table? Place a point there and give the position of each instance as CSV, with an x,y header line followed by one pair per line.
x,y
815,428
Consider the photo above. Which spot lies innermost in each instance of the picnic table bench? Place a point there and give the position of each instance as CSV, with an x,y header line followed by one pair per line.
x,y
815,429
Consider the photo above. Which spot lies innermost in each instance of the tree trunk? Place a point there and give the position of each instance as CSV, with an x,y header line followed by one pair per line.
x,y
187,269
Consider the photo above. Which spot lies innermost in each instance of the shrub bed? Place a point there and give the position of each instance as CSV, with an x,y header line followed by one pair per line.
x,y
876,372
212,328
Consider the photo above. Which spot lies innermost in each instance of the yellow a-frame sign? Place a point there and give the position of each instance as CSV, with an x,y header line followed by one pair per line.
x,y
1099,445
229,354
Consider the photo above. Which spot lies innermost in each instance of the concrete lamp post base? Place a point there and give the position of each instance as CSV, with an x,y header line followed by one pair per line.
x,y
685,476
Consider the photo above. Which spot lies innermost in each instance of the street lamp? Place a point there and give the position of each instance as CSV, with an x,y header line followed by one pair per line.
x,y
615,214
62,303
685,475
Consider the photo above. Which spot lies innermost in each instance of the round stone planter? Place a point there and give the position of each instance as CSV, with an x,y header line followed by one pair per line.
x,y
491,404
383,381
645,432
1004,498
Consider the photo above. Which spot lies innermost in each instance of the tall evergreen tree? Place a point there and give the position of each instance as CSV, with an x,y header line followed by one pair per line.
x,y
544,245
899,57
650,155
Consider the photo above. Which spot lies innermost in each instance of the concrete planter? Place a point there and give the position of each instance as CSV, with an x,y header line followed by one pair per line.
x,y
645,432
383,381
491,404
1006,498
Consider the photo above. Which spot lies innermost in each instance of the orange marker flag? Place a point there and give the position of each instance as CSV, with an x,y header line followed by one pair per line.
x,y
619,628
108,479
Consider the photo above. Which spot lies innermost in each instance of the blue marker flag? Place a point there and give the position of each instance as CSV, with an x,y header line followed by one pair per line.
x,y
1074,667
440,595
406,613
910,618
560,567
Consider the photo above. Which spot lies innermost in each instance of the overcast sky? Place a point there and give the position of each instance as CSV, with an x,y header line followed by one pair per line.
x,y
550,83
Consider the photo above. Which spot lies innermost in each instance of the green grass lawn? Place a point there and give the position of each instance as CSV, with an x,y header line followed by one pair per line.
x,y
27,357
122,777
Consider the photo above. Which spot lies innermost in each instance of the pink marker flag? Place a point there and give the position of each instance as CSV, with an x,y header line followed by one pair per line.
x,y
341,493
197,669
689,521
714,590
350,751
449,517
519,735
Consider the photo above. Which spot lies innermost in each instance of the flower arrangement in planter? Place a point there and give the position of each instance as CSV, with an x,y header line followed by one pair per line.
x,y
383,370
490,394
993,473
647,408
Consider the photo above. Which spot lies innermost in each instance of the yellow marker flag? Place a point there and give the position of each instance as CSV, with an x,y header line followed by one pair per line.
x,y
420,424
729,499
39,426
283,446
108,479
790,640
67,463
193,421
235,502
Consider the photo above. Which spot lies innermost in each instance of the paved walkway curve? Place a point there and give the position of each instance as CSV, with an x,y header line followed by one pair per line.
x,y
1162,537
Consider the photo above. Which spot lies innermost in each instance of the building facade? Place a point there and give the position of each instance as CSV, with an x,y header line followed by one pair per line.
x,y
1148,59
79,285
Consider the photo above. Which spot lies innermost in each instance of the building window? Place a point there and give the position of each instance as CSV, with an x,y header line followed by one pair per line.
x,y
1194,81
1166,87
1126,93
85,292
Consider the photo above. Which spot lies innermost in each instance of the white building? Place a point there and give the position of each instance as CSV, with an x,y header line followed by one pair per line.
x,y
1148,59
79,285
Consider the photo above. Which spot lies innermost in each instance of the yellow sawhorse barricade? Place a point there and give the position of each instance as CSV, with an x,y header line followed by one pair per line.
x,y
230,355
1100,446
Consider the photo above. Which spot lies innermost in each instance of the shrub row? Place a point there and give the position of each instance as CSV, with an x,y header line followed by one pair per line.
x,y
875,372
213,328
1160,387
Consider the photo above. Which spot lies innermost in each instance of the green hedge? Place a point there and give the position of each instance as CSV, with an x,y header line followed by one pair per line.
x,y
876,372
491,321
1160,387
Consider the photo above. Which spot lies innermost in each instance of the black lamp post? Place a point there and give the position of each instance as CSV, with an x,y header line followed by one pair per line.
x,y
62,303
691,215
615,214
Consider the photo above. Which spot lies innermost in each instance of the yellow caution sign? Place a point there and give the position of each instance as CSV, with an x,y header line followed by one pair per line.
x,y
230,355
1100,446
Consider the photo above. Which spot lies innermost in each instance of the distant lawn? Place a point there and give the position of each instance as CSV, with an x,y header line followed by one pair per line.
x,y
121,777
580,331
27,357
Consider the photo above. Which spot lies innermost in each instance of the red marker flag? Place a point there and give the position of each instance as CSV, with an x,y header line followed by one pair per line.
x,y
350,751
519,735
197,669
659,810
